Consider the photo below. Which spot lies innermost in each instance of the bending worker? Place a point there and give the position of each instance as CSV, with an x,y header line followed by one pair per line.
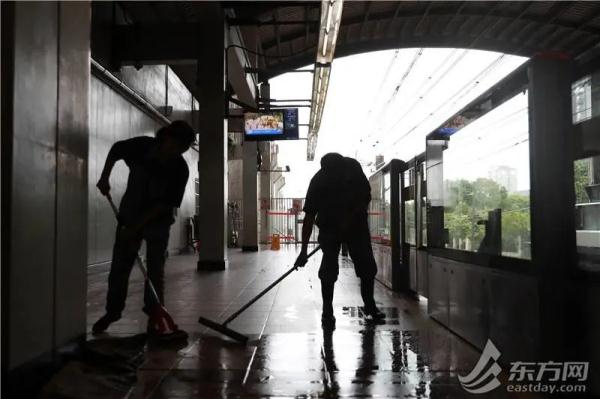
x,y
158,176
337,201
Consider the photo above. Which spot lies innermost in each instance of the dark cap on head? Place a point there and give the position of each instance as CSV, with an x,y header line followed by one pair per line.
x,y
179,130
332,161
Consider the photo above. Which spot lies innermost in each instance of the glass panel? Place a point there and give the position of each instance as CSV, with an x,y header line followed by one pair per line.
x,y
581,92
409,177
424,222
587,197
378,211
486,183
387,195
410,231
585,98
423,192
410,220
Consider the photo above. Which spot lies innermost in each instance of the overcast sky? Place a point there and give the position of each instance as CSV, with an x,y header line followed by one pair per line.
x,y
386,102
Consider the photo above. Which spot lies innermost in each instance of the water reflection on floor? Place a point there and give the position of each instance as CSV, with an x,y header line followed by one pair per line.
x,y
288,355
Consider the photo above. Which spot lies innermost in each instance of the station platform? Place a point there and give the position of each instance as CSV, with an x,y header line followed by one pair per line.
x,y
288,354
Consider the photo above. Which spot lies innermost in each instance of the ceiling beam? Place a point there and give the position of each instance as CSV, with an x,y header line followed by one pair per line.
x,y
446,30
487,26
465,23
557,10
524,32
565,41
276,30
307,28
520,15
256,22
462,10
346,49
490,28
588,50
418,31
390,26
365,20
156,44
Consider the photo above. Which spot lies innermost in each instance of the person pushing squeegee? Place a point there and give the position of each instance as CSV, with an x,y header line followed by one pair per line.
x,y
158,176
222,327
337,202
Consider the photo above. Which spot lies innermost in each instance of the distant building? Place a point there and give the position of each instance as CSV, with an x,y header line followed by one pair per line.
x,y
505,176
379,161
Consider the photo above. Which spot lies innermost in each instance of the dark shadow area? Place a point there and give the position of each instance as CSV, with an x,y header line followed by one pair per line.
x,y
105,367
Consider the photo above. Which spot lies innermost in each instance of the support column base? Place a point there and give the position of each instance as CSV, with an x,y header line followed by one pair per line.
x,y
212,265
250,248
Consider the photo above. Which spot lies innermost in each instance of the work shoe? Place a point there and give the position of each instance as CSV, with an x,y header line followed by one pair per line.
x,y
150,330
373,315
328,321
102,324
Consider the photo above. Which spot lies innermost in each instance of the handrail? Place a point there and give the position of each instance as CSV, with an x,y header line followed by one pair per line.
x,y
120,85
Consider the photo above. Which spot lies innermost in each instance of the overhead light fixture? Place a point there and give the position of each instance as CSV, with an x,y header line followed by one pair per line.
x,y
331,17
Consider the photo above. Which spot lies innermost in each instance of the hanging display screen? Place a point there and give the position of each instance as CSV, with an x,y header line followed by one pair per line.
x,y
281,124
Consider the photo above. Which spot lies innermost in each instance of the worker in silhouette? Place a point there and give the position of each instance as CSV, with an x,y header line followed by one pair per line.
x,y
158,176
337,200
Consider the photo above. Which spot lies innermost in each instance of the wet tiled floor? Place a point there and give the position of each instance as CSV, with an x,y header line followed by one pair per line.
x,y
288,354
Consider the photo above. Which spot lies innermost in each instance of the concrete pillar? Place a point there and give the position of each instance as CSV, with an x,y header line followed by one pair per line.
x,y
72,170
46,72
265,190
553,245
265,177
250,233
212,164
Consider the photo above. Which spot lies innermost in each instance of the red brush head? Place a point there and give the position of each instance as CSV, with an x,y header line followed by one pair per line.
x,y
161,321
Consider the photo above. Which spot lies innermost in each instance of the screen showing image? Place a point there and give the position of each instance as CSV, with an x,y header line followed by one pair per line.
x,y
263,124
291,123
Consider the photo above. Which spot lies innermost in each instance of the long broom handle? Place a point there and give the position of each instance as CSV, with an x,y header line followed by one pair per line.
x,y
263,292
137,256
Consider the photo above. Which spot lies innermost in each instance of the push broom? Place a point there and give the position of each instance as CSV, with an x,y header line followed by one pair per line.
x,y
223,329
159,318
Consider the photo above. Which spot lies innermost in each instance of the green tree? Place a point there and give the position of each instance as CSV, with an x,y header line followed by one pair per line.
x,y
470,202
581,176
515,227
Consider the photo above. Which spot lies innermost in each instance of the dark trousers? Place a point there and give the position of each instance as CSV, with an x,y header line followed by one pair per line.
x,y
358,242
360,250
367,286
124,256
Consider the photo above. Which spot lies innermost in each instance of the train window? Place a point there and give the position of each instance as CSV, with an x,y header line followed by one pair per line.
x,y
587,210
486,183
585,98
424,222
387,197
379,209
422,192
581,93
410,220
410,226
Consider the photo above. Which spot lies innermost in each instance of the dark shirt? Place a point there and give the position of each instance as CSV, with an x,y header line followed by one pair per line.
x,y
150,182
323,199
359,189
337,198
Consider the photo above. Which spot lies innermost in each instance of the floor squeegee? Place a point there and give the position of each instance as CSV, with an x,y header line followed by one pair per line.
x,y
223,329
